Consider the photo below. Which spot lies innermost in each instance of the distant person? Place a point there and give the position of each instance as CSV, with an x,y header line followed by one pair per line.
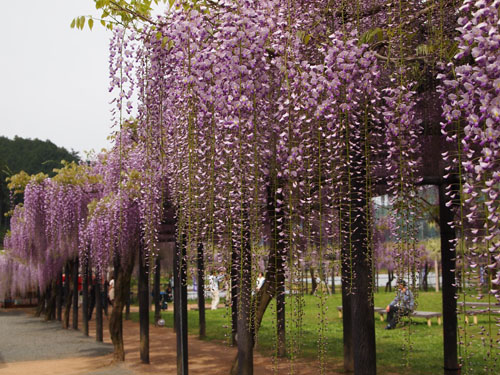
x,y
195,284
213,285
401,305
260,281
111,292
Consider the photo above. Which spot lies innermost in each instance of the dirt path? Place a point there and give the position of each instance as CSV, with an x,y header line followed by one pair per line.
x,y
205,358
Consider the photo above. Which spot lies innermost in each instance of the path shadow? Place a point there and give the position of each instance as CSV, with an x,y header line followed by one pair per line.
x,y
97,352
11,313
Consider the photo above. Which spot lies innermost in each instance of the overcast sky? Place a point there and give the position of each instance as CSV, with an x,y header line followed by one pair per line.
x,y
54,79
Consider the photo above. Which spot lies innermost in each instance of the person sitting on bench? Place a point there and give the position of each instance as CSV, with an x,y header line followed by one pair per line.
x,y
401,305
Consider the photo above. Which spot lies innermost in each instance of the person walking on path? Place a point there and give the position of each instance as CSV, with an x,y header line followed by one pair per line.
x,y
401,305
213,285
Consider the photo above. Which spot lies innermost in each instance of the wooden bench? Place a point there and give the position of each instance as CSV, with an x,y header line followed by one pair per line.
x,y
477,308
428,315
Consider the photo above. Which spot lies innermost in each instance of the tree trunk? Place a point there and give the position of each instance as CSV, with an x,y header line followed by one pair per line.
x,y
390,277
280,312
98,307
75,293
436,274
127,307
245,336
143,306
333,278
156,289
123,274
363,320
314,284
235,290
85,297
50,311
448,254
59,297
346,288
68,294
425,279
180,304
40,309
305,277
201,291
276,260
105,296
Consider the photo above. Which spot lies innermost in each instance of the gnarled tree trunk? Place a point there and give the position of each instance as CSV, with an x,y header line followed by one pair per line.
x,y
123,274
274,272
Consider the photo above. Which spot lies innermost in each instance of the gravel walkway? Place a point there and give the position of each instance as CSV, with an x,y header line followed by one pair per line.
x,y
27,338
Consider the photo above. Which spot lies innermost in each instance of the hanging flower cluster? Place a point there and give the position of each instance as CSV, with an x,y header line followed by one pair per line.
x,y
471,113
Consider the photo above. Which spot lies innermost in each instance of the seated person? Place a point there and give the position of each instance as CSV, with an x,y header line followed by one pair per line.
x,y
401,305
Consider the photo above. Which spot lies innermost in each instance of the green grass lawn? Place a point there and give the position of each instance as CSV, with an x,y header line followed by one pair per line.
x,y
412,344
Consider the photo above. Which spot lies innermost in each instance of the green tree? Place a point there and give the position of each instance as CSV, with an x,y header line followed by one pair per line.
x,y
32,156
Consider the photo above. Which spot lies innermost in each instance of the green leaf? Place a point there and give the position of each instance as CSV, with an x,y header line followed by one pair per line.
x,y
158,35
91,23
372,36
73,23
164,41
170,3
307,38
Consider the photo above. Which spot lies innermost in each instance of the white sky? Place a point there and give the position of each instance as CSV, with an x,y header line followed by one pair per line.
x,y
54,79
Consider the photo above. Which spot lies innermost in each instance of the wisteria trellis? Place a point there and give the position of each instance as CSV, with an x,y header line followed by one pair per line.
x,y
279,119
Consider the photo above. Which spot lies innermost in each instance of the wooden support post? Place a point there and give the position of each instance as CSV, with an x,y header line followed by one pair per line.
x,y
143,306
180,304
449,289
201,291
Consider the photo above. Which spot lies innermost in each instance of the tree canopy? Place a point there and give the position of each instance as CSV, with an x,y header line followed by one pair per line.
x,y
30,155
